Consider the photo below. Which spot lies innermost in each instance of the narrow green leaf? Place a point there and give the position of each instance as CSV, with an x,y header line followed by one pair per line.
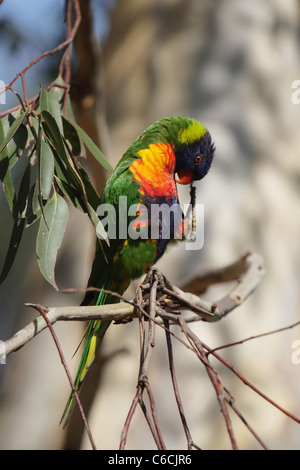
x,y
50,101
59,88
4,152
69,114
15,239
13,137
72,176
50,236
37,196
46,168
8,185
80,204
71,194
12,130
14,149
33,210
36,199
67,169
52,130
18,227
60,169
91,192
71,135
92,147
24,190
100,230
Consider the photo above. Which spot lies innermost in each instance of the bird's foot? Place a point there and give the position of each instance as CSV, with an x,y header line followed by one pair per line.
x,y
154,274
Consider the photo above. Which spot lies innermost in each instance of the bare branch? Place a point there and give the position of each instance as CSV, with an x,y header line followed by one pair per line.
x,y
190,442
252,275
53,334
246,382
165,303
116,312
125,311
146,347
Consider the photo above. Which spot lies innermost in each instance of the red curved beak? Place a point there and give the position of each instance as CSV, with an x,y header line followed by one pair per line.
x,y
185,177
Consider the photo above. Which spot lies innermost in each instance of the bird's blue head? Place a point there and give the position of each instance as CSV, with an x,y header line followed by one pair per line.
x,y
194,154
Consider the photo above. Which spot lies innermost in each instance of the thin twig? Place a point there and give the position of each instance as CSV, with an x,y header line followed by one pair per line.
x,y
129,417
214,377
65,64
146,354
52,51
175,388
146,347
246,382
230,401
49,325
250,338
71,33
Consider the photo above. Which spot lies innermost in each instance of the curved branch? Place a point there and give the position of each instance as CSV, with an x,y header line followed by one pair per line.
x,y
251,276
116,312
125,311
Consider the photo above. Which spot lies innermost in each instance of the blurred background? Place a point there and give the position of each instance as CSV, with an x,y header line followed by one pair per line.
x,y
230,64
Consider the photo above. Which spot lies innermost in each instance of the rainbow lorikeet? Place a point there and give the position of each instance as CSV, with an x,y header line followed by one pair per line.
x,y
146,176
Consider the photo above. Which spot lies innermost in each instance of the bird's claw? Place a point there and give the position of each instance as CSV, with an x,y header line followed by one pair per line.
x,y
153,274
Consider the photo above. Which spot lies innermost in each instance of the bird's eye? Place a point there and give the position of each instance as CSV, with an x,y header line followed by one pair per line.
x,y
198,158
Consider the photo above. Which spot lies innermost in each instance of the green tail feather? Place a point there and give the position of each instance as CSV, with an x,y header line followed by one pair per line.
x,y
96,331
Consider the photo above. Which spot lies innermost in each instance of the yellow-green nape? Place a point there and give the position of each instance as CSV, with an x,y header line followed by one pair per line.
x,y
193,132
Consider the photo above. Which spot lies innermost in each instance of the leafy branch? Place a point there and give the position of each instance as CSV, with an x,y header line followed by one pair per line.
x,y
43,132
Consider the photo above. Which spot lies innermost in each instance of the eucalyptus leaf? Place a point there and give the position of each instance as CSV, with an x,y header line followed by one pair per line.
x,y
15,125
5,176
71,194
100,230
14,242
92,147
50,236
91,192
51,101
46,168
52,131
18,227
71,135
33,209
12,147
